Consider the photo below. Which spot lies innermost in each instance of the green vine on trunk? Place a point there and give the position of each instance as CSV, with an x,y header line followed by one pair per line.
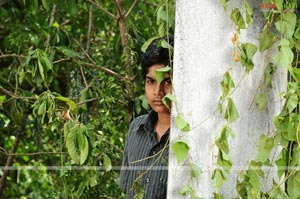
x,y
281,31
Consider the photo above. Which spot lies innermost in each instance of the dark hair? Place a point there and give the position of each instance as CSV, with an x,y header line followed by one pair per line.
x,y
155,54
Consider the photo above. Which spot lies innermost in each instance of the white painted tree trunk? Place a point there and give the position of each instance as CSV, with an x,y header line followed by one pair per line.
x,y
202,54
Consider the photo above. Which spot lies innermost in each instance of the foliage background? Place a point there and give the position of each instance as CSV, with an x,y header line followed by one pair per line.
x,y
67,92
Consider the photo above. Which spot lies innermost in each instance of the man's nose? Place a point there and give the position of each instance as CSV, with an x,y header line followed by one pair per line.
x,y
158,89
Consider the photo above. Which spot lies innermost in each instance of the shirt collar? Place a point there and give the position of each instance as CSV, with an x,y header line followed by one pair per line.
x,y
147,125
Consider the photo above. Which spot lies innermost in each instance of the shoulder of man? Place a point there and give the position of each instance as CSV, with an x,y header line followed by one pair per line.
x,y
139,120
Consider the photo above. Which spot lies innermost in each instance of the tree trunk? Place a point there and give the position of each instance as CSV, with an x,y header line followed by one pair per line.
x,y
202,55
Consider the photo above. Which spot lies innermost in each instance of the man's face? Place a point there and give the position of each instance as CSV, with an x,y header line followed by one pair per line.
x,y
156,91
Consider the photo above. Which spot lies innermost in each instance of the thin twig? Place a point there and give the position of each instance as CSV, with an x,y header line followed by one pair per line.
x,y
11,94
51,21
149,3
101,8
7,92
32,154
86,101
88,42
108,71
131,8
12,55
61,60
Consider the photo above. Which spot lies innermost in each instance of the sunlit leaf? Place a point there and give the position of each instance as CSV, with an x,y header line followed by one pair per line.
x,y
285,56
182,124
292,102
265,146
161,73
237,18
286,24
261,100
218,178
231,113
293,185
281,162
249,12
147,43
247,52
69,101
107,163
67,51
167,99
266,39
181,150
195,171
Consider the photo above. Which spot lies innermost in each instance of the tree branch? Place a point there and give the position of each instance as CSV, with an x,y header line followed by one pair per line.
x,y
101,8
88,42
131,8
12,55
32,154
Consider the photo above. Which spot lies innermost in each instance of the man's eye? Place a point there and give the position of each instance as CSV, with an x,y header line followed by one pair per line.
x,y
150,81
167,82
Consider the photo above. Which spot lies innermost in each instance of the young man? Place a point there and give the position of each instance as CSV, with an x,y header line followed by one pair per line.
x,y
145,157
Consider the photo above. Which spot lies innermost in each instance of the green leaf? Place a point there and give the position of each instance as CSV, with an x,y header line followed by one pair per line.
x,y
167,99
231,113
293,185
147,43
2,99
224,161
249,12
161,73
67,51
107,163
195,170
69,101
277,192
165,44
286,24
261,100
295,72
84,151
139,191
285,56
266,39
292,102
247,52
224,4
270,70
45,4
227,83
237,18
297,33
42,108
278,3
71,144
41,70
265,146
219,178
181,124
281,162
181,150
222,140
185,190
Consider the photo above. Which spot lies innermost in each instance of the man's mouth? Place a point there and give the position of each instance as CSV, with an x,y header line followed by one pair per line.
x,y
158,102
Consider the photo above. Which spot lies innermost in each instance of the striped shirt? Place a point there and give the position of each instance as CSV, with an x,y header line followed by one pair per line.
x,y
145,161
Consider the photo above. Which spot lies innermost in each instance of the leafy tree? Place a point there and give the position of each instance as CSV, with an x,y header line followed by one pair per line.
x,y
67,82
